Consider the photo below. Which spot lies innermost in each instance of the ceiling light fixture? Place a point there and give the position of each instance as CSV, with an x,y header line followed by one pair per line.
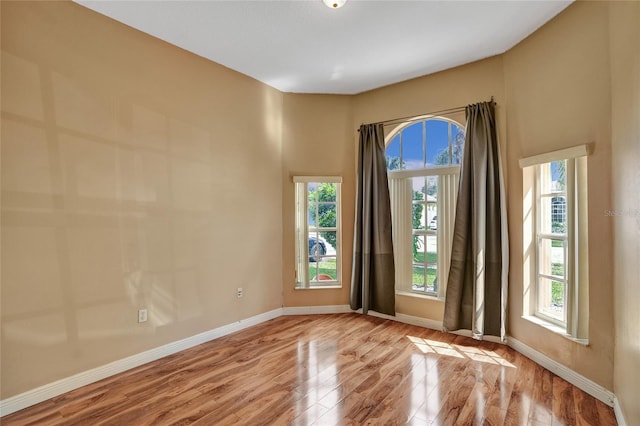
x,y
334,4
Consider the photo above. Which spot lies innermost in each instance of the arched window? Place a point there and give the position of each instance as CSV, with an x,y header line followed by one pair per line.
x,y
423,162
432,142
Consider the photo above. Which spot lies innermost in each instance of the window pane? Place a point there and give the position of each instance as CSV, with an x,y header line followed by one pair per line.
x,y
327,215
553,214
412,148
432,249
551,298
325,270
432,279
418,277
311,202
558,178
393,154
329,241
313,271
418,248
432,260
551,257
433,221
559,214
316,247
312,215
326,192
418,185
438,143
431,188
552,177
457,148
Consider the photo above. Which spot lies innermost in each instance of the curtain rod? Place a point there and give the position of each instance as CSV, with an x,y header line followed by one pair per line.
x,y
411,118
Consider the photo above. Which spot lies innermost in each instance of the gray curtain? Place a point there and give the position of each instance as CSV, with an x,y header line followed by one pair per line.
x,y
373,273
476,296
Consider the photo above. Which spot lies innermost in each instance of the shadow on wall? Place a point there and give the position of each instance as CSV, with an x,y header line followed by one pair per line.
x,y
105,209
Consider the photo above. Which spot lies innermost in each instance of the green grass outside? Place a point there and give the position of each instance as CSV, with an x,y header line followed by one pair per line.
x,y
418,271
324,267
431,257
557,288
418,278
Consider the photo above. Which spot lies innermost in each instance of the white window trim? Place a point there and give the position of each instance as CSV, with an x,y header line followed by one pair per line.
x,y
559,155
569,247
431,171
574,325
301,261
316,179
402,209
401,190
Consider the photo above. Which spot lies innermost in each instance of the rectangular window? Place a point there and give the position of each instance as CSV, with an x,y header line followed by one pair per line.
x,y
555,237
423,209
318,247
553,245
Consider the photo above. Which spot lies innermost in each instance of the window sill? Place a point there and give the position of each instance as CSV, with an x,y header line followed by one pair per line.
x,y
419,296
319,287
555,329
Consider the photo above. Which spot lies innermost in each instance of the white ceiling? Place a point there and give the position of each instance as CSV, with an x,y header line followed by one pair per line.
x,y
304,47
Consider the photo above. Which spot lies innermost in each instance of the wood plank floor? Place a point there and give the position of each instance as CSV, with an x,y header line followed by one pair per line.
x,y
329,370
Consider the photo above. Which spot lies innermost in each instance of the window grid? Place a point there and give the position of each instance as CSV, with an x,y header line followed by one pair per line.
x,y
556,241
422,250
552,292
317,232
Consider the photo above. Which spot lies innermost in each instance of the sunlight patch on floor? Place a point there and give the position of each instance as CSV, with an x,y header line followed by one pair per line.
x,y
475,354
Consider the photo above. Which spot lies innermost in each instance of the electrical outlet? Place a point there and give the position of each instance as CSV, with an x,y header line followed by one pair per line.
x,y
239,292
142,315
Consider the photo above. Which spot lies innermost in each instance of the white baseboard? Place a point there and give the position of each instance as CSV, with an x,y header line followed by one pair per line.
x,y
410,319
429,323
45,392
618,412
555,367
42,393
314,310
576,379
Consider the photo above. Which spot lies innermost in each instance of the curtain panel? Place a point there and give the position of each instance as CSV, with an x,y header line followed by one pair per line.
x,y
373,273
476,297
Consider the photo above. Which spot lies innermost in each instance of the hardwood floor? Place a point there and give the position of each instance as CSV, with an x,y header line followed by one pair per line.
x,y
329,370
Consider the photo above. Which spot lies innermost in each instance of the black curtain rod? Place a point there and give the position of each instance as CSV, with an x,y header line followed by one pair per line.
x,y
411,118
416,118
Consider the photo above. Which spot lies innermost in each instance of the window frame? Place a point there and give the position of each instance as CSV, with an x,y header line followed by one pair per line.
x,y
401,190
567,238
403,249
399,129
302,231
574,325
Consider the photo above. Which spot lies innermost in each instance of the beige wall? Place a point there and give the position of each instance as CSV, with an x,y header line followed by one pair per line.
x,y
624,40
460,86
134,174
317,141
320,138
122,157
557,90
